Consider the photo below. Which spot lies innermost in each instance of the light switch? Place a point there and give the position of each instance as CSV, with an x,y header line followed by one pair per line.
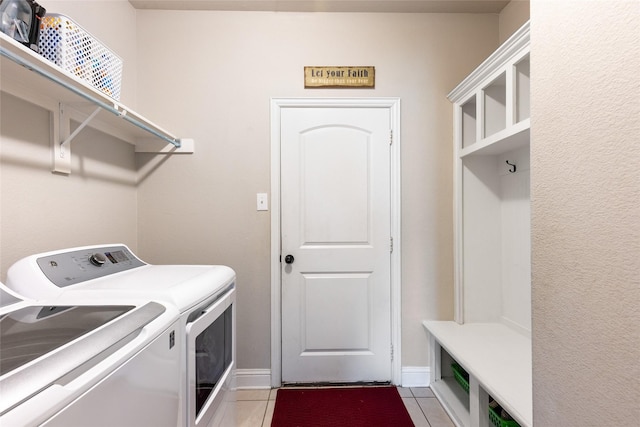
x,y
263,203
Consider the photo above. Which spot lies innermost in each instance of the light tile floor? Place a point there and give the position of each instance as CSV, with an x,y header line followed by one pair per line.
x,y
254,408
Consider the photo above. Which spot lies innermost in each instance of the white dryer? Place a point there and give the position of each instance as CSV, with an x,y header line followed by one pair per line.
x,y
204,295
70,362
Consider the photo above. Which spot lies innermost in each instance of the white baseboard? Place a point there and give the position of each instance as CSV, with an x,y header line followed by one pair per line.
x,y
416,376
412,376
253,378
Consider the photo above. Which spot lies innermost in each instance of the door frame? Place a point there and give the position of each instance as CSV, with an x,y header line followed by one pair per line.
x,y
393,105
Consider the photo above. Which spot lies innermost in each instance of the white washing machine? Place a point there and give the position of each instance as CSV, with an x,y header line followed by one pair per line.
x,y
69,362
204,295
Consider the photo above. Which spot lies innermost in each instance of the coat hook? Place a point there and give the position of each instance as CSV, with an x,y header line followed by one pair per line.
x,y
513,167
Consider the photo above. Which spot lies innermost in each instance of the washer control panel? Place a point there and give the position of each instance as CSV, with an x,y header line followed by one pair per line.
x,y
69,268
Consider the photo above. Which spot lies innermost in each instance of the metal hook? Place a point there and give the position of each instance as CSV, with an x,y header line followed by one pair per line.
x,y
513,167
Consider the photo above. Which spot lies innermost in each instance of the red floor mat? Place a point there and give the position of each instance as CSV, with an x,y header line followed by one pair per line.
x,y
340,407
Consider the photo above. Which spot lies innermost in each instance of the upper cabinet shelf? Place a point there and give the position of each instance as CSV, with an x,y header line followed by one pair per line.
x,y
29,76
493,101
505,140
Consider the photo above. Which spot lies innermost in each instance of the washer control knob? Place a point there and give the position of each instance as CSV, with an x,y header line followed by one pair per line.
x,y
97,259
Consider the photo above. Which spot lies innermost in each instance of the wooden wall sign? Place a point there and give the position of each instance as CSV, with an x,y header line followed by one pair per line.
x,y
339,77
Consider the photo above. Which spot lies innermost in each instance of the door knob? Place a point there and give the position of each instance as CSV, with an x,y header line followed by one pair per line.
x,y
289,259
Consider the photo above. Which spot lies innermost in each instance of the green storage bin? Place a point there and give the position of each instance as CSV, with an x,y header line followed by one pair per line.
x,y
498,421
461,376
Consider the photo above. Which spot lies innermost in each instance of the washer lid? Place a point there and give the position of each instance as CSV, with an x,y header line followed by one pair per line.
x,y
52,357
8,298
31,332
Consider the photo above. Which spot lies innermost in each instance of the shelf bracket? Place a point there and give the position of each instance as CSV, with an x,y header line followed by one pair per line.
x,y
62,137
67,142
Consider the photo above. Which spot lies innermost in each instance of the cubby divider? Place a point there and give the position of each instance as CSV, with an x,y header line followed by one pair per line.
x,y
469,133
522,90
495,106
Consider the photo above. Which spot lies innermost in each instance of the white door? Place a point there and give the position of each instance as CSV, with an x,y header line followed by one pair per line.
x,y
335,242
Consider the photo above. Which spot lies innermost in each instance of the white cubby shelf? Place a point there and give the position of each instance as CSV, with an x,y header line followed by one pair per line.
x,y
498,360
490,336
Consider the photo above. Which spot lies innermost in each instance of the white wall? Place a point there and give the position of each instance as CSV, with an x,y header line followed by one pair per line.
x,y
97,203
585,110
210,75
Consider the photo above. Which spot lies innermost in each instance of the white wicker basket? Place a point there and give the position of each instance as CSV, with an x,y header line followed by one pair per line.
x,y
68,45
